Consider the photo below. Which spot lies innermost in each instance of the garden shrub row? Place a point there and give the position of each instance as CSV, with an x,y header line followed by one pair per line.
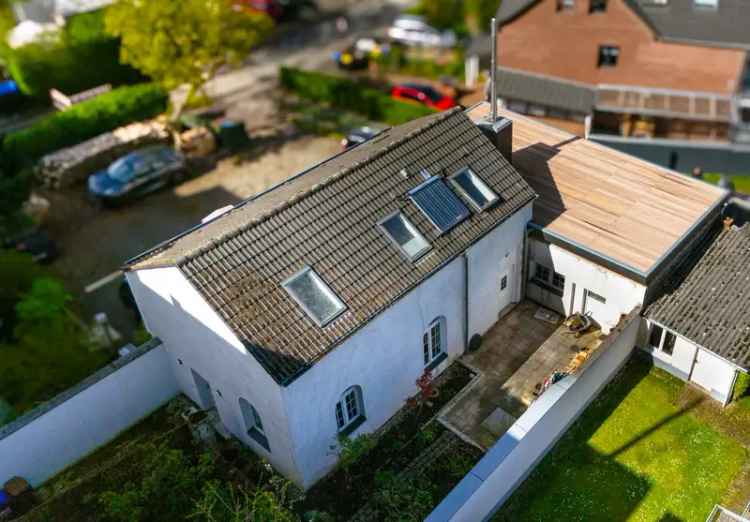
x,y
82,122
83,57
350,95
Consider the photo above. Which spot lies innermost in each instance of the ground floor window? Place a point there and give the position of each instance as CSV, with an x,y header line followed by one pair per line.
x,y
662,340
432,341
253,424
350,411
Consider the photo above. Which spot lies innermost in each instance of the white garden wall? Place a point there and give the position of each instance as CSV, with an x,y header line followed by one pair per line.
x,y
60,432
504,467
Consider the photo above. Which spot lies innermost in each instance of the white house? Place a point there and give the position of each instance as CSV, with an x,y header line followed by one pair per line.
x,y
699,329
309,311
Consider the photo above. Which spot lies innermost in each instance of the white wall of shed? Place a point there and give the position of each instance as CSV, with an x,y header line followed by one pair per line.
x,y
195,334
712,373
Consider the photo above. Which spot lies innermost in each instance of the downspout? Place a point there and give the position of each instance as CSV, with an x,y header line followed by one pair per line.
x,y
524,262
466,301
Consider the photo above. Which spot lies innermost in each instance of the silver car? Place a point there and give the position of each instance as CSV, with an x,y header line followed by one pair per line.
x,y
415,31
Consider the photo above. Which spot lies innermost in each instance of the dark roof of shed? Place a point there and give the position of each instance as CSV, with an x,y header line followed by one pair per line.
x,y
327,219
545,90
711,304
725,25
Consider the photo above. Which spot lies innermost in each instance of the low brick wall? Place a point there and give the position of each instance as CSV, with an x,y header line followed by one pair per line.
x,y
61,431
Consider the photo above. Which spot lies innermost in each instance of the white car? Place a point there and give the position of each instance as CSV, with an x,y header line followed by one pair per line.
x,y
415,31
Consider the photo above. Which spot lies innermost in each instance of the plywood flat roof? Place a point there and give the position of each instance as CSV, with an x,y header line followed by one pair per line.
x,y
613,204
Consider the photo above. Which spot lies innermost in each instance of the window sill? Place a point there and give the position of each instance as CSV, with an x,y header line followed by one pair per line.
x,y
352,427
258,437
436,362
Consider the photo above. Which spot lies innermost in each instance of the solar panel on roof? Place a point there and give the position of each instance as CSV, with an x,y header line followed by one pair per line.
x,y
438,202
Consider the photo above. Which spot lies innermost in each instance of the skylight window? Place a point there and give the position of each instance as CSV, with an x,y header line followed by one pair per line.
x,y
474,189
405,236
441,206
314,296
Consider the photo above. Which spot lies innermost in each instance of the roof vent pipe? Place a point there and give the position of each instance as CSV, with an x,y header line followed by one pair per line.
x,y
499,130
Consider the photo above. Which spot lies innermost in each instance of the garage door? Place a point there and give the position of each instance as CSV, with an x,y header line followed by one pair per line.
x,y
596,305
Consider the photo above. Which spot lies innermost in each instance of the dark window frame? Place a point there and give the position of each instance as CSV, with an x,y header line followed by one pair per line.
x,y
609,56
597,6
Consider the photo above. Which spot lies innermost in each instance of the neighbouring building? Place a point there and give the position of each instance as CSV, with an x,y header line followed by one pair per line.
x,y
699,329
665,80
307,312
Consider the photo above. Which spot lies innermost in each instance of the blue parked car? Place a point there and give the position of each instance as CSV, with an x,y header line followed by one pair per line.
x,y
138,173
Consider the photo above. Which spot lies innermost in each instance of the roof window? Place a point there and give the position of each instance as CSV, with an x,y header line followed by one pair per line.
x,y
441,206
405,236
474,189
314,296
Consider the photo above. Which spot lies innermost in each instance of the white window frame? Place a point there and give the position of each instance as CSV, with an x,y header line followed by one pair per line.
x,y
665,332
412,228
489,194
323,286
253,422
352,395
433,341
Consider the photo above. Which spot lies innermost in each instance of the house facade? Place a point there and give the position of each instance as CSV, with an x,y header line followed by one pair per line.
x,y
667,81
308,312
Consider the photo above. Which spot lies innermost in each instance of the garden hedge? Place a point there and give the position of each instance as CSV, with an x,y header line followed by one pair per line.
x,y
85,56
82,122
350,95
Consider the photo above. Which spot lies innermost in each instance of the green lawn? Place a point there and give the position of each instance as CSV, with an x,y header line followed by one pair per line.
x,y
741,183
633,455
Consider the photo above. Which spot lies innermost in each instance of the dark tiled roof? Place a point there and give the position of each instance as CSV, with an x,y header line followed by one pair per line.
x,y
726,25
711,305
327,218
545,90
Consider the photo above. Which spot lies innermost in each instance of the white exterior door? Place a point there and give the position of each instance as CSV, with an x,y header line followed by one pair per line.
x,y
596,305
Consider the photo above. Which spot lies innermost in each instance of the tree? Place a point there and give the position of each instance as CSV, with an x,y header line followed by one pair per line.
x,y
186,42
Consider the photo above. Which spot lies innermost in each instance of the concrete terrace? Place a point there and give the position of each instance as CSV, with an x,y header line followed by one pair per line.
x,y
517,354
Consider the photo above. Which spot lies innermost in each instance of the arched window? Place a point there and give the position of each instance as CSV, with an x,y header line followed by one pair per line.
x,y
350,410
253,424
433,342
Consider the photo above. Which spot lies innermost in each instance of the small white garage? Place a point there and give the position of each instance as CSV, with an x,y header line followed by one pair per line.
x,y
699,329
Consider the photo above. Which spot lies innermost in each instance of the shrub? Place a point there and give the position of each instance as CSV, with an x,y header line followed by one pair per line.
x,y
741,386
66,63
350,95
81,122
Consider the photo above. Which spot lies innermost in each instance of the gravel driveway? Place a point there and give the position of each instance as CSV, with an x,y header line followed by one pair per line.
x,y
96,243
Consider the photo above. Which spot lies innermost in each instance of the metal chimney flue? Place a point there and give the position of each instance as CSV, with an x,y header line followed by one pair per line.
x,y
498,129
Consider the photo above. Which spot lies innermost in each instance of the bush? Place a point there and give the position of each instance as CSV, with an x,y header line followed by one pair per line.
x,y
66,64
741,386
82,122
350,95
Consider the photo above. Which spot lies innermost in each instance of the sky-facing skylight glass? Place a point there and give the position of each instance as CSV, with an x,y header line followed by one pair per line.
x,y
476,190
405,235
314,296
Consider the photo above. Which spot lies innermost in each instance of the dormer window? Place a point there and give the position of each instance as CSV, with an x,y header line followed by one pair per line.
x,y
405,236
474,189
314,296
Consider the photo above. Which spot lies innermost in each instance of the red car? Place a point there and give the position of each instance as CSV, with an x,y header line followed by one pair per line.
x,y
423,94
